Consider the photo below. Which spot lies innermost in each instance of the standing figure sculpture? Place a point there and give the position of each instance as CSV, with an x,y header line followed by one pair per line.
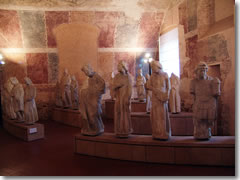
x,y
175,100
74,93
30,108
7,100
160,86
17,94
66,90
90,104
148,95
140,82
122,86
205,90
112,92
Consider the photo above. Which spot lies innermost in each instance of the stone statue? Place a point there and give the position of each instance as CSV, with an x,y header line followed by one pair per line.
x,y
30,108
148,95
122,86
58,100
90,104
205,90
7,100
112,92
160,86
66,89
17,94
140,82
175,100
74,93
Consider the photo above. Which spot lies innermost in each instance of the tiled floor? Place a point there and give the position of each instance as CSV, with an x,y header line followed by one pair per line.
x,y
54,156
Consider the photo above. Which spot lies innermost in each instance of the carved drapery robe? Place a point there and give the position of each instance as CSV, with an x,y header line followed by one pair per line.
x,y
66,91
140,82
122,86
90,106
175,100
160,86
74,94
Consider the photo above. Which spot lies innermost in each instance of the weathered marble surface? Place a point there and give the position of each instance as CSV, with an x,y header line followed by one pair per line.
x,y
66,89
17,93
122,85
53,19
10,30
140,82
53,63
160,86
33,29
205,90
30,108
37,67
90,103
174,98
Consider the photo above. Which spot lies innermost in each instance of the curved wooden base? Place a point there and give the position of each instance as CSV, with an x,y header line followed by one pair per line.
x,y
219,150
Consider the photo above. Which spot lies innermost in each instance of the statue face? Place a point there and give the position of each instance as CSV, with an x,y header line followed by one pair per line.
x,y
120,68
88,71
202,73
156,69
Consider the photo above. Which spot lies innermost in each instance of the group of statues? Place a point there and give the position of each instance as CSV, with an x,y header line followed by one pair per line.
x,y
67,92
159,90
18,102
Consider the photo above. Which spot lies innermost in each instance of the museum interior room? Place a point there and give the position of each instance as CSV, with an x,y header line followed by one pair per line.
x,y
117,88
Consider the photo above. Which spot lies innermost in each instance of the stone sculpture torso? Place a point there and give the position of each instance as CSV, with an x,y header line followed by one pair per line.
x,y
175,100
160,86
90,106
66,91
140,82
122,86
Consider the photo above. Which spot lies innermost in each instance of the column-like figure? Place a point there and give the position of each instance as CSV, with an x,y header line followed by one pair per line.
x,y
90,104
140,82
17,94
122,86
148,95
7,100
112,92
74,93
30,108
175,100
160,86
205,90
66,89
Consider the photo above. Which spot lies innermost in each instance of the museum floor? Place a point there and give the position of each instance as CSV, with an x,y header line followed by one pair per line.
x,y
54,156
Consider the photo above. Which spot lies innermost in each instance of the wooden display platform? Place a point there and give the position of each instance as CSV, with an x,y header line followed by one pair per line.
x,y
181,124
23,131
67,116
218,151
136,106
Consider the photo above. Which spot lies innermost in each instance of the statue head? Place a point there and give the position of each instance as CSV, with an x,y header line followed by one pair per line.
x,y
27,80
156,66
201,70
122,67
87,69
14,80
140,72
73,78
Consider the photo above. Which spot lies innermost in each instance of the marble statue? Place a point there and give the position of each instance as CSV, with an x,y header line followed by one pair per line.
x,y
7,100
205,90
175,100
17,94
148,95
122,86
90,104
66,90
74,93
30,108
140,82
58,100
160,86
112,92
